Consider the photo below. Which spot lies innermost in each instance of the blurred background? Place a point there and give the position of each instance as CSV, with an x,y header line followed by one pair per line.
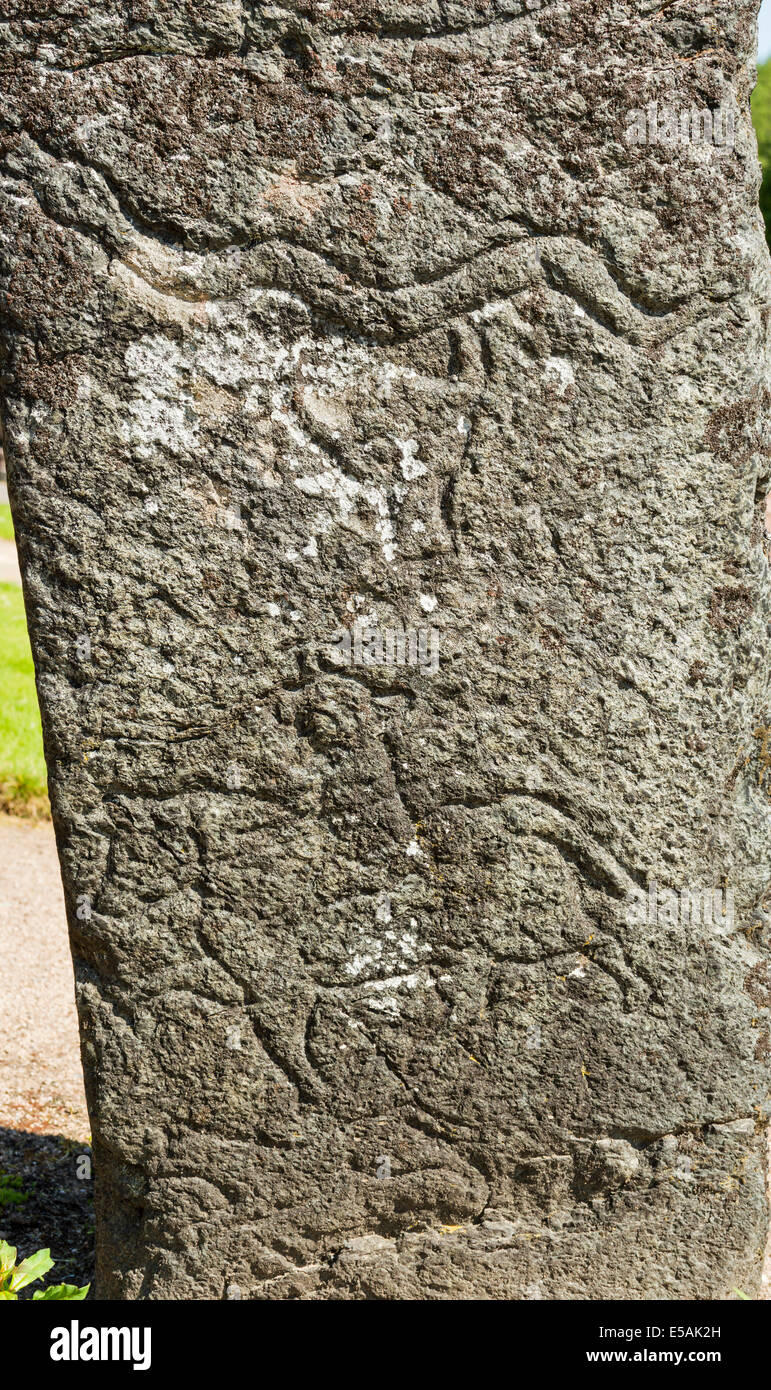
x,y
764,32
761,110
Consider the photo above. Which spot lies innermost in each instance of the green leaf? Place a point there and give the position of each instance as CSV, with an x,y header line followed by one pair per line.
x,y
34,1267
69,1292
4,1294
745,1296
7,1258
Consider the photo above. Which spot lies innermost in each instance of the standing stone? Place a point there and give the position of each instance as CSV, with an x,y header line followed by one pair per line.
x,y
385,388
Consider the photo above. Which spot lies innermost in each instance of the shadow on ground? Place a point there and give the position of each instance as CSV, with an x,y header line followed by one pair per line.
x,y
46,1201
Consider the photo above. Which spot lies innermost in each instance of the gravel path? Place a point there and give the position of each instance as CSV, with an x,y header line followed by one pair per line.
x,y
9,564
41,1085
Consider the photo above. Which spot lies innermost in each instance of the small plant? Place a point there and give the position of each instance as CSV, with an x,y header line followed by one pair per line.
x,y
12,1193
14,1277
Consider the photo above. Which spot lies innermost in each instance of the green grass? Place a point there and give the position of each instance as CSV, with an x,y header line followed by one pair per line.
x,y
6,525
22,767
761,116
12,1191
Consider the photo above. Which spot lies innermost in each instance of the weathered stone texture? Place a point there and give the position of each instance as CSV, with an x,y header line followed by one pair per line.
x,y
324,312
